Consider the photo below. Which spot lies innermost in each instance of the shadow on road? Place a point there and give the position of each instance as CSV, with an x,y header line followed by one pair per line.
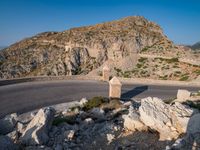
x,y
133,92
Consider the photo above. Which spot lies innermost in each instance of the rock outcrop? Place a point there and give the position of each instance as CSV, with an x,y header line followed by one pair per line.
x,y
36,133
169,121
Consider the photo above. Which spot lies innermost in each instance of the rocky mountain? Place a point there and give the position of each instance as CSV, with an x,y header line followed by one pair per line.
x,y
196,46
84,50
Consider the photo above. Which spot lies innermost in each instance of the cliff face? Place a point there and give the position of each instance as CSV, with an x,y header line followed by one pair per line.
x,y
80,50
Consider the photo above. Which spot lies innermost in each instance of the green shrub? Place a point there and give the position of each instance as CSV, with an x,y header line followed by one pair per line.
x,y
193,104
94,102
59,120
139,65
142,59
184,78
197,72
145,49
172,60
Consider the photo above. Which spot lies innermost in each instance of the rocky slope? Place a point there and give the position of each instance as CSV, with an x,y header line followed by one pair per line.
x,y
85,49
102,124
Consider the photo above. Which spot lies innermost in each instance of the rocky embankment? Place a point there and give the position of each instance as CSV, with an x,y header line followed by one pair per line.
x,y
101,123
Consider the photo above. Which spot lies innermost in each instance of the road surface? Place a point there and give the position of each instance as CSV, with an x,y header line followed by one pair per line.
x,y
28,96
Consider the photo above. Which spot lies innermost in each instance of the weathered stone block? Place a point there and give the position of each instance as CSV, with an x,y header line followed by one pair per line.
x,y
183,95
115,88
106,73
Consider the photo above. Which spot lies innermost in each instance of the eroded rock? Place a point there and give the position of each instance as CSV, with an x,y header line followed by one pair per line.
x,y
36,133
169,121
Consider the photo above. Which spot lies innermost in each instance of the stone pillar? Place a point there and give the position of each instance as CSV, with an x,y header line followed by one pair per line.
x,y
115,88
106,73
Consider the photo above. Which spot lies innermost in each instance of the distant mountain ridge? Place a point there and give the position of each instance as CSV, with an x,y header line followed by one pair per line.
x,y
196,46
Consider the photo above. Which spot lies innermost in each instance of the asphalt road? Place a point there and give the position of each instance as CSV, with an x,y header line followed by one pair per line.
x,y
28,96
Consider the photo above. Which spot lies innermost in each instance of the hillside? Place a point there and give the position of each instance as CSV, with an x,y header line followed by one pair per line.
x,y
84,50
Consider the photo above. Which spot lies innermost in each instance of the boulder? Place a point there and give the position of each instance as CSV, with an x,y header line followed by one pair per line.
x,y
110,138
97,113
132,121
181,115
7,144
192,137
69,135
7,124
183,95
83,101
36,133
169,121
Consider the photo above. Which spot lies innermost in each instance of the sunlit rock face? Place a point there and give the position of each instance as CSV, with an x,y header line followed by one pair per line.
x,y
78,50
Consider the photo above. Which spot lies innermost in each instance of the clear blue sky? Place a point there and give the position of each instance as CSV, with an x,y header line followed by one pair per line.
x,y
180,19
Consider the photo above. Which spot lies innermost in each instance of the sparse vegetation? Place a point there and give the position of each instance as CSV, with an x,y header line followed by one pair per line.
x,y
184,78
95,102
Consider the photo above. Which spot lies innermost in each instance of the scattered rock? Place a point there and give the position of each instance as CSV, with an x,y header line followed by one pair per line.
x,y
69,134
83,101
110,138
13,135
20,127
97,113
88,121
36,133
7,124
132,121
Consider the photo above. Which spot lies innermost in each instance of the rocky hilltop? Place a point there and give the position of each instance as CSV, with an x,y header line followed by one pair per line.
x,y
84,50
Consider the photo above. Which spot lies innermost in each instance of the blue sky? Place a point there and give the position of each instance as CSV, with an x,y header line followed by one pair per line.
x,y
180,19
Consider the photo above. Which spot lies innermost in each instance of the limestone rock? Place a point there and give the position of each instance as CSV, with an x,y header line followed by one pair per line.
x,y
83,101
7,144
169,121
183,95
132,122
36,133
110,138
69,134
7,124
182,114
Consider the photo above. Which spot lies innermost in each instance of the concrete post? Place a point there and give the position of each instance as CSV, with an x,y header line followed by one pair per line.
x,y
115,88
106,73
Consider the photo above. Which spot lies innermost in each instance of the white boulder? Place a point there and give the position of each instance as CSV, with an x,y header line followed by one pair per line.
x,y
169,121
36,133
132,121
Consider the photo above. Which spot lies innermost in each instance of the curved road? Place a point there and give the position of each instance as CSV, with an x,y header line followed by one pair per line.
x,y
28,96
